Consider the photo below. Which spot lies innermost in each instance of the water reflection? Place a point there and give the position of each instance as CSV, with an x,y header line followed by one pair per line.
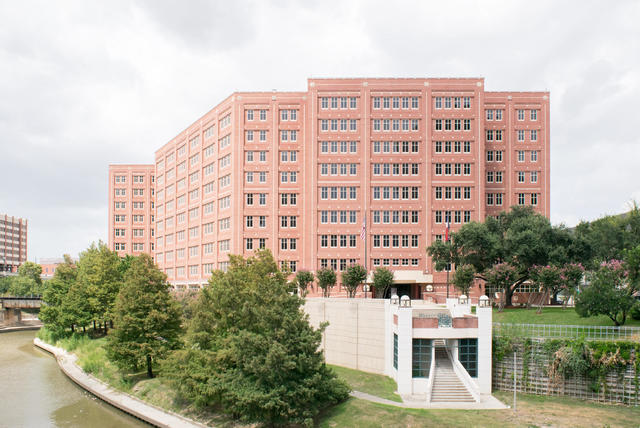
x,y
35,393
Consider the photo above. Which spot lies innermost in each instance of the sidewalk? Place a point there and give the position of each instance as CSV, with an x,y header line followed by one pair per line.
x,y
125,402
490,403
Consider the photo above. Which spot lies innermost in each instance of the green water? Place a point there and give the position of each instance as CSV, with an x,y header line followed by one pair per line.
x,y
35,393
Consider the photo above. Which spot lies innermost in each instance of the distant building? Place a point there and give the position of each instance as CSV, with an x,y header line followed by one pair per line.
x,y
49,266
13,243
367,171
131,209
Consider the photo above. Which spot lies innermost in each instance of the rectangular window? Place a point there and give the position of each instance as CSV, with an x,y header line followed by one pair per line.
x,y
468,355
421,358
395,351
534,115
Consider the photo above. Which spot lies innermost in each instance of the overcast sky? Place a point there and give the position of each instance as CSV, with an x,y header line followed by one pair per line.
x,y
85,84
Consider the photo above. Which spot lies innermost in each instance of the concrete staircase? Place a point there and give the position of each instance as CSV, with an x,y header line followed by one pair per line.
x,y
447,387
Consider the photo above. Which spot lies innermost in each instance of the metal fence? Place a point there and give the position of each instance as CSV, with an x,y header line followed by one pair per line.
x,y
619,387
558,331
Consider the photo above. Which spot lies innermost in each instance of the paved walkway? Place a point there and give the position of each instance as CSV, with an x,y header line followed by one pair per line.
x,y
490,403
125,402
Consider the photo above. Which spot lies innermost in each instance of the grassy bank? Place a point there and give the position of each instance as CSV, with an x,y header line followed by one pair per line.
x,y
566,316
378,385
92,358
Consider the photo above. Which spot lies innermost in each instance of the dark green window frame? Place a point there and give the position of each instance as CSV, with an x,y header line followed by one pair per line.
x,y
468,355
395,351
421,357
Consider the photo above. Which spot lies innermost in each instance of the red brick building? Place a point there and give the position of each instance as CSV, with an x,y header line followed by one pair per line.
x,y
303,173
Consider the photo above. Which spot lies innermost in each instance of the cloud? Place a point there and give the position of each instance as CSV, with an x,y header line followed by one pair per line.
x,y
86,84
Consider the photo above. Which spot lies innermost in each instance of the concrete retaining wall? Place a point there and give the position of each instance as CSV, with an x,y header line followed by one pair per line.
x,y
355,337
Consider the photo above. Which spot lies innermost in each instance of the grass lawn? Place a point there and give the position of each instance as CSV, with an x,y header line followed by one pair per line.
x,y
533,411
554,316
379,385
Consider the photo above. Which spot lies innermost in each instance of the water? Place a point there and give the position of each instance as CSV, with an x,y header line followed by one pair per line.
x,y
35,393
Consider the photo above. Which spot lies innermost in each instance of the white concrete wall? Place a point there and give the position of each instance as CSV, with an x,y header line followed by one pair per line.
x,y
485,325
355,337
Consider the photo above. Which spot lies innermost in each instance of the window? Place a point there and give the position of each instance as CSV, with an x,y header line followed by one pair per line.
x,y
520,176
534,114
421,357
520,114
395,351
438,102
263,115
534,156
520,135
249,115
520,198
468,355
534,176
534,199
534,135
520,155
263,136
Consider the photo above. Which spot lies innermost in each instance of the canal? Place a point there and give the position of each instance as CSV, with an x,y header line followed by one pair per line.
x,y
35,393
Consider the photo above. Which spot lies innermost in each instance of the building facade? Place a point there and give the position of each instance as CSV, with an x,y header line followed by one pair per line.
x,y
131,209
367,171
13,242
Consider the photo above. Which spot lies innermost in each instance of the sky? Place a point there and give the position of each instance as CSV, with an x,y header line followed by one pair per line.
x,y
85,84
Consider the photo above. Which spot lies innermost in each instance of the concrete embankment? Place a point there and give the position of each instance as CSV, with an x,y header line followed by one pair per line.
x,y
125,402
20,328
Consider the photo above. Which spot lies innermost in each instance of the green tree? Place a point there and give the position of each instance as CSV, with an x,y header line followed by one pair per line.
x,y
32,271
23,286
303,279
463,278
521,238
55,291
76,310
5,284
608,293
353,276
147,318
501,277
251,351
326,280
382,281
100,275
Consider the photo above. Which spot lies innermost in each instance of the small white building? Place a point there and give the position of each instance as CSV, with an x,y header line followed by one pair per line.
x,y
435,353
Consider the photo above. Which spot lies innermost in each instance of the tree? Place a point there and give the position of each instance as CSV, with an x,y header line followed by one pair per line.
x,y
326,280
76,310
99,273
501,277
303,279
251,351
608,293
55,292
32,271
147,318
353,276
521,238
382,281
463,278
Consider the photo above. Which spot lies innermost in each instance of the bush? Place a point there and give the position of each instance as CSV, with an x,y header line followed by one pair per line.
x,y
635,311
